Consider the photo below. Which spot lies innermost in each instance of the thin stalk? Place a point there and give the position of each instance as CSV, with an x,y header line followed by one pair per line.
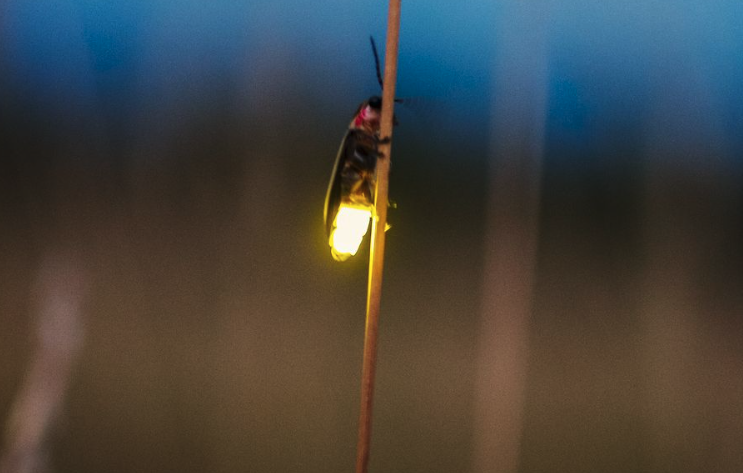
x,y
376,257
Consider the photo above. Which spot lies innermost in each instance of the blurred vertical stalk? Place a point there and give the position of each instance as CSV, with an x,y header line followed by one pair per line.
x,y
518,114
376,258
58,295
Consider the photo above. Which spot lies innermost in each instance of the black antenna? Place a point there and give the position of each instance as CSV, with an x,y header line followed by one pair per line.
x,y
379,72
376,61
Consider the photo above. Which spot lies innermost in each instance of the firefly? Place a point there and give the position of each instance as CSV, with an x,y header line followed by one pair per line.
x,y
349,202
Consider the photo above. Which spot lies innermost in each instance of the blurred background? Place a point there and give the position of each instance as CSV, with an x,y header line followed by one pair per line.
x,y
563,279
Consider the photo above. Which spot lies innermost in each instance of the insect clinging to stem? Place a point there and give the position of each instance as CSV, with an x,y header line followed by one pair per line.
x,y
349,202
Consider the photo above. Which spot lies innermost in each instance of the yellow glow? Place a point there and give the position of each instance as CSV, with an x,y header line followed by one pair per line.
x,y
349,228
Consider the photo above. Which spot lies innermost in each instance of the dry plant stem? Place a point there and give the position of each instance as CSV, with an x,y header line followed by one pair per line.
x,y
61,286
376,258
